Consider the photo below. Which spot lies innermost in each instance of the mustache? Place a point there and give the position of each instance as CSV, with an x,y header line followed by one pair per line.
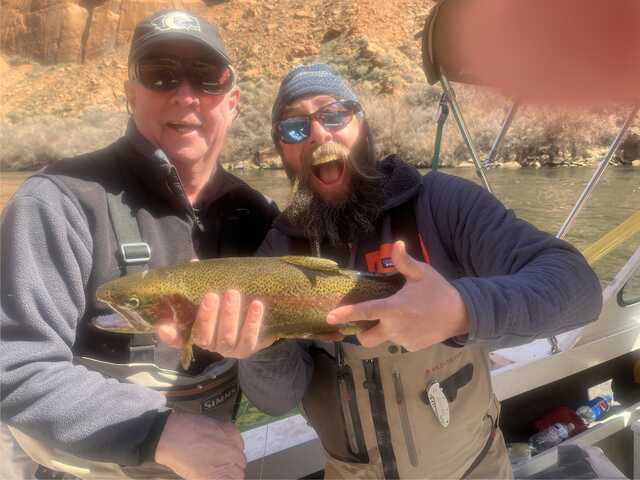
x,y
328,152
354,159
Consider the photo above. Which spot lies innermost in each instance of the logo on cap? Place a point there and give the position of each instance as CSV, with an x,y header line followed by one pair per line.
x,y
177,21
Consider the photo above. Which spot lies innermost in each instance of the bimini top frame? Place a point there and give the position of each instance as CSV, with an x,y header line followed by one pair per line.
x,y
452,35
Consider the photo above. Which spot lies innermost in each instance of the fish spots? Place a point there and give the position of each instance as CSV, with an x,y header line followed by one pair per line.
x,y
297,293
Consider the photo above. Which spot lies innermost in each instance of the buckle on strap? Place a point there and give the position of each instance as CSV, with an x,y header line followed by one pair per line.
x,y
135,253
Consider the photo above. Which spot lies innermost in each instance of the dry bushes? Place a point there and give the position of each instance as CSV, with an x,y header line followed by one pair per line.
x,y
38,140
538,137
251,130
403,124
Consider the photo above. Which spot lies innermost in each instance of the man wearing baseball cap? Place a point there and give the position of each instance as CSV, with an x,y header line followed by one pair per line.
x,y
85,401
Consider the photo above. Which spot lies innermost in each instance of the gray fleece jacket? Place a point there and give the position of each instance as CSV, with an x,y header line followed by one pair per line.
x,y
517,282
57,246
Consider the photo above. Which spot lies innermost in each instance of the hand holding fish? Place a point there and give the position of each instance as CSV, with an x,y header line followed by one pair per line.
x,y
287,297
425,311
196,447
219,326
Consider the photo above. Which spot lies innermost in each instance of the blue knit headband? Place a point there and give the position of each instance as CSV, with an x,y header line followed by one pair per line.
x,y
306,80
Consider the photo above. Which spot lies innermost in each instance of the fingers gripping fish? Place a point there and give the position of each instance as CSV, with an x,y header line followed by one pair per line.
x,y
298,292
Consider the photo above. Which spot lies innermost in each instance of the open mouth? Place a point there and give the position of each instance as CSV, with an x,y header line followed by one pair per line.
x,y
329,162
182,127
329,171
128,321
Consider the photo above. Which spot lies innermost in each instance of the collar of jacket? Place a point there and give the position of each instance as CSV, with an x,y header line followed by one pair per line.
x,y
153,168
401,182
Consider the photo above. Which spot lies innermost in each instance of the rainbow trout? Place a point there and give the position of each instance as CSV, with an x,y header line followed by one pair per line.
x,y
298,293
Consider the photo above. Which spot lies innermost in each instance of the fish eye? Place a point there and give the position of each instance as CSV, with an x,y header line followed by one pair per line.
x,y
132,302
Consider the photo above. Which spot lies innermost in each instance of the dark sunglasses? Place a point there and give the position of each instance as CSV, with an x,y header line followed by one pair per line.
x,y
333,117
167,73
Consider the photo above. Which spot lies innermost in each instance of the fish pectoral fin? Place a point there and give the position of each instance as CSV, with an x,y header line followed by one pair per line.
x,y
186,355
312,263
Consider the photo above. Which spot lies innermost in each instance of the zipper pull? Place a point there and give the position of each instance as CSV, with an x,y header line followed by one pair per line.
x,y
175,185
369,382
397,384
339,354
195,214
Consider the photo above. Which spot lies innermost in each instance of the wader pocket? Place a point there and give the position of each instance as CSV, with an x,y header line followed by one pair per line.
x,y
331,408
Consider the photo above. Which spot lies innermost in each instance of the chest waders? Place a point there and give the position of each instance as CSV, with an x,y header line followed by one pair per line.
x,y
424,414
215,391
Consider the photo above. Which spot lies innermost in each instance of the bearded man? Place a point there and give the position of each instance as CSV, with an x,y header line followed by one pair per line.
x,y
411,396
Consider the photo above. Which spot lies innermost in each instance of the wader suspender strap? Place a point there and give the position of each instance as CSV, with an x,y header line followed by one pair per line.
x,y
133,256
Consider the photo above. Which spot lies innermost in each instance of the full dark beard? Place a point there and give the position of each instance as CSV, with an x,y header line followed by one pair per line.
x,y
342,223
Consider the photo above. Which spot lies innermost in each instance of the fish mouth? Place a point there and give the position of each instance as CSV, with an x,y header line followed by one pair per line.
x,y
127,321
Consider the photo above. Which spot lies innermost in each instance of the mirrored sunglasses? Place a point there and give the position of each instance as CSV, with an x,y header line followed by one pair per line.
x,y
333,117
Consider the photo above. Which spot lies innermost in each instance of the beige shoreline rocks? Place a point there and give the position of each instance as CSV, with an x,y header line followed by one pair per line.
x,y
511,165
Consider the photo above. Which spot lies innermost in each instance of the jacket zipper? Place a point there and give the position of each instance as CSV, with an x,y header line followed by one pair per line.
x,y
373,384
195,214
350,414
404,418
177,189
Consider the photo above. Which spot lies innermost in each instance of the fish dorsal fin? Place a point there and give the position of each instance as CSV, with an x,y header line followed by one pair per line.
x,y
312,263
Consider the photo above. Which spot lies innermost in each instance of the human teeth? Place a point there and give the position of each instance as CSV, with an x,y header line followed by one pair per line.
x,y
182,126
324,159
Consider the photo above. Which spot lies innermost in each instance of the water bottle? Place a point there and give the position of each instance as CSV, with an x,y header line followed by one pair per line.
x,y
594,410
519,452
551,436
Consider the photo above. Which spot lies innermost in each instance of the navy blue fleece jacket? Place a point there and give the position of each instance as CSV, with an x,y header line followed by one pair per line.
x,y
517,282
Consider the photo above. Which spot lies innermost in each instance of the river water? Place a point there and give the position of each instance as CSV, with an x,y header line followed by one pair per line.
x,y
543,197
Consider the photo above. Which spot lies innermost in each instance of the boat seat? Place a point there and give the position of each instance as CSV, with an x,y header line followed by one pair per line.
x,y
576,461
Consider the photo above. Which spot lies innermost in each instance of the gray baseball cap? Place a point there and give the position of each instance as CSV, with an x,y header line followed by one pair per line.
x,y
170,25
